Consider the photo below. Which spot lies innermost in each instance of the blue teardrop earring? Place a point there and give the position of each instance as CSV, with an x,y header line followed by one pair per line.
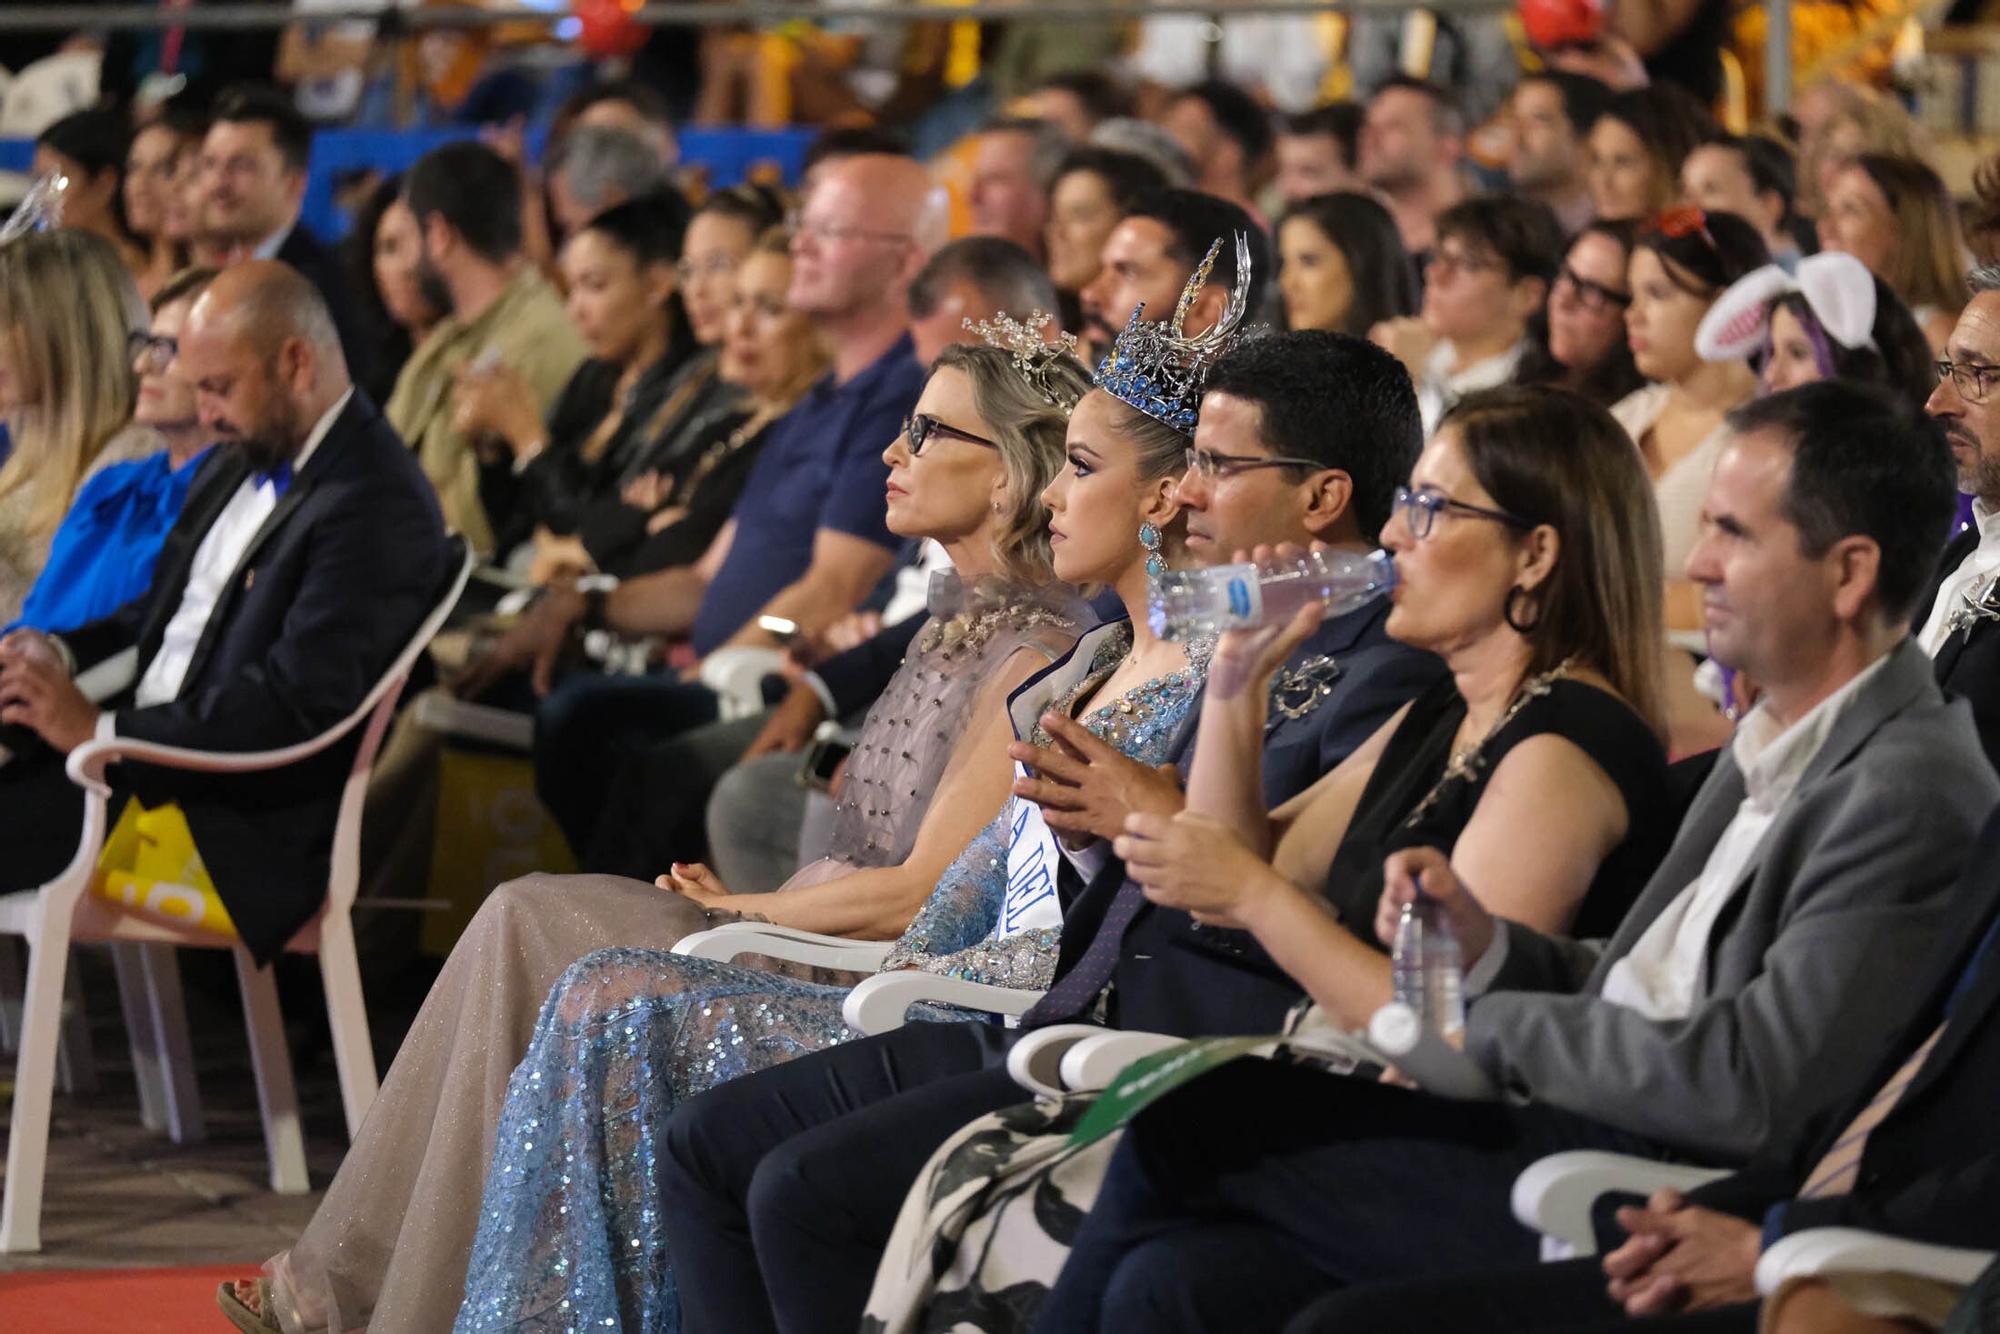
x,y
1149,538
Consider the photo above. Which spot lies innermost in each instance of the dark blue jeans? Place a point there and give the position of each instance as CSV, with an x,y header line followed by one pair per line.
x,y
1236,1201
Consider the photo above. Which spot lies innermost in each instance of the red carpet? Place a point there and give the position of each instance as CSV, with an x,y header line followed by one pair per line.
x,y
116,1301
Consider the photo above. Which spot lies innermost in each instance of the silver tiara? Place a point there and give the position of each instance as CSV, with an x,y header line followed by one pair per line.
x,y
40,209
1155,367
1033,354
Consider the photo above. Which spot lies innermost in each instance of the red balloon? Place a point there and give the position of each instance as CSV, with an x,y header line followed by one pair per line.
x,y
1557,23
607,28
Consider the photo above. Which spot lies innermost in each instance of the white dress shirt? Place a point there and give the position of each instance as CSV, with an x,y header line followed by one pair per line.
x,y
1441,386
1977,568
216,562
913,586
1662,977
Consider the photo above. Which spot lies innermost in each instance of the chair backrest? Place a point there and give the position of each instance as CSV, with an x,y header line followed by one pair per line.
x,y
345,877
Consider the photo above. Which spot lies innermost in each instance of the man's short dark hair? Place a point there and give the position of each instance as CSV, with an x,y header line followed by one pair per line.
x,y
1523,232
1047,144
1340,400
853,141
261,104
474,189
1195,221
1583,98
1447,117
1341,121
1863,463
1127,176
1237,114
1101,95
1005,273
1768,163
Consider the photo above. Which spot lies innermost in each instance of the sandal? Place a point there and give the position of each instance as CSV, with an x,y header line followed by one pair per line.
x,y
263,1320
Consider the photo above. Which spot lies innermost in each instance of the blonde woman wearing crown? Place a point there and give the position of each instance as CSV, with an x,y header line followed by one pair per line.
x,y
571,1222
388,1245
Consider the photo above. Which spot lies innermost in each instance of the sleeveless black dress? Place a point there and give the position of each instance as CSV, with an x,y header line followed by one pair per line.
x,y
1596,722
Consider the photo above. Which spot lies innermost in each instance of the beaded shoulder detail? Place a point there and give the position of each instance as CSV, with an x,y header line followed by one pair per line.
x,y
964,618
1144,705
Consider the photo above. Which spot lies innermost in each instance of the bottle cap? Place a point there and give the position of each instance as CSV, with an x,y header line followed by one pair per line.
x,y
1395,1029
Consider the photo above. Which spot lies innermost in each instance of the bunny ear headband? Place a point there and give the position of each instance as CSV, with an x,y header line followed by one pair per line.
x,y
1837,286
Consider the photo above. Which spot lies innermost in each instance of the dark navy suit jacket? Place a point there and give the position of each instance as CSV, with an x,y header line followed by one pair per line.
x,y
1174,976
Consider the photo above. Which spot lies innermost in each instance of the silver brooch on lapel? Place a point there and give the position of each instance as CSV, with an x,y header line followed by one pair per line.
x,y
1297,691
1979,602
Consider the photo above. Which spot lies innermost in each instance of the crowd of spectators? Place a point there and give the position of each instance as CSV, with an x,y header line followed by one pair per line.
x,y
820,525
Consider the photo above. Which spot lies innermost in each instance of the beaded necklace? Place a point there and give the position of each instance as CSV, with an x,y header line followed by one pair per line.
x,y
1465,765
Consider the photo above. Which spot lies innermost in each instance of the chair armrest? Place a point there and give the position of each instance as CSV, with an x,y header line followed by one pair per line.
x,y
737,675
1035,1061
737,939
88,761
1095,1062
448,716
1834,1250
881,1003
1555,1196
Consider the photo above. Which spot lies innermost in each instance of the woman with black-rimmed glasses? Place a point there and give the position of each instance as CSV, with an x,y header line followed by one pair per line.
x,y
1583,345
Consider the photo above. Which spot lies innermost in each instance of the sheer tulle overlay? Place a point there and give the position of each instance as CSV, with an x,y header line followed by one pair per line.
x,y
569,1233
388,1246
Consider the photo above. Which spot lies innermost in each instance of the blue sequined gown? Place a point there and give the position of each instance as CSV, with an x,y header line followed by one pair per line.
x,y
569,1229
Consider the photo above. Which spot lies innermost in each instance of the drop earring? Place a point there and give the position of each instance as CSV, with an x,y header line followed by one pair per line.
x,y
1149,538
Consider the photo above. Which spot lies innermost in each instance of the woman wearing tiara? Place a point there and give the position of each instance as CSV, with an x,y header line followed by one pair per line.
x,y
570,1227
388,1245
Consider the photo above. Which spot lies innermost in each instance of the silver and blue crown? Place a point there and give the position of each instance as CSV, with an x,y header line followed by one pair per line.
x,y
1033,354
39,210
1155,367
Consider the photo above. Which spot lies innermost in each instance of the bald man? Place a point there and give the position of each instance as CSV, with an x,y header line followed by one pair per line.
x,y
626,765
309,550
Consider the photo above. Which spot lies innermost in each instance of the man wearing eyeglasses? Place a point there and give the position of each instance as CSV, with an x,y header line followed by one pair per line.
x,y
1956,617
625,764
1302,437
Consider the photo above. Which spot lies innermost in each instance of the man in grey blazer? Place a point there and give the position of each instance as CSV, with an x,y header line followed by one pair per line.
x,y
1805,898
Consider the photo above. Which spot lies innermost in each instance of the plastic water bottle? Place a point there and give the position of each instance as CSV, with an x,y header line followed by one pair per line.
x,y
1185,604
1426,968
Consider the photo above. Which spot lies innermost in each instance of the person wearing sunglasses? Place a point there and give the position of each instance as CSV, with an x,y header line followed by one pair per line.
x,y
1584,347
103,554
1486,284
1683,261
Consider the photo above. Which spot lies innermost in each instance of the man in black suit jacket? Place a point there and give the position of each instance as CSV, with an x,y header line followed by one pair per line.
x,y
1956,621
308,551
840,1135
1928,1170
253,164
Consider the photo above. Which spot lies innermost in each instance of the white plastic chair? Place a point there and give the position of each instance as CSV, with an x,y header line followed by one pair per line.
x,y
737,675
1846,1250
62,912
880,1003
1555,1195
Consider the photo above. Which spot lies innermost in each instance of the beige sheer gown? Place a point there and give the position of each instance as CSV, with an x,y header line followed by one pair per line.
x,y
388,1246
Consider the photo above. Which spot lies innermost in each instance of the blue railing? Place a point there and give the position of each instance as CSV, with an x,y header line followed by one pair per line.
x,y
726,156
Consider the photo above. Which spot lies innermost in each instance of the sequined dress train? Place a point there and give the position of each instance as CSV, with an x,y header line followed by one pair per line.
x,y
387,1247
570,1236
